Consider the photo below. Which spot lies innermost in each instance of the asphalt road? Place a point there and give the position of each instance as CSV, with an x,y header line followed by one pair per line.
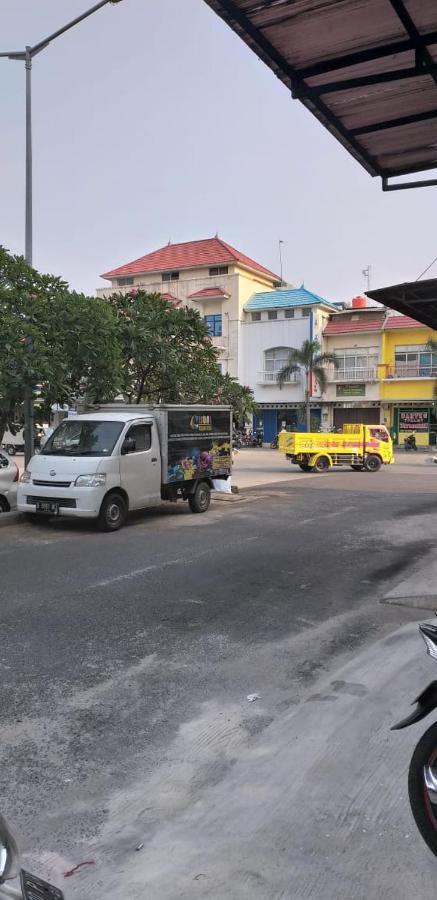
x,y
126,661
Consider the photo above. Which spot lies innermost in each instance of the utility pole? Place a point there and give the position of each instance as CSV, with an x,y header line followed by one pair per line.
x,y
29,434
280,259
27,56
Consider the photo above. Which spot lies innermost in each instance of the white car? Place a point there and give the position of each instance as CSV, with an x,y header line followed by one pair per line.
x,y
9,475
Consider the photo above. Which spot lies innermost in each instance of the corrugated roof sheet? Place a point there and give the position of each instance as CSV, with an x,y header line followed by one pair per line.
x,y
417,297
349,325
189,255
285,297
364,68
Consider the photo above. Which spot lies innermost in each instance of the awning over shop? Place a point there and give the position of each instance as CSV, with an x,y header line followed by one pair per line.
x,y
417,299
367,69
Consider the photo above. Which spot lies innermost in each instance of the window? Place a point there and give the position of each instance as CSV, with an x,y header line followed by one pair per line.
x,y
415,361
289,313
123,281
142,435
349,360
83,438
170,276
306,313
275,360
380,434
214,324
218,270
272,314
256,317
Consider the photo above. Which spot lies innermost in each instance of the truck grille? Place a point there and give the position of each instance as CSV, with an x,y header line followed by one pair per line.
x,y
65,502
63,484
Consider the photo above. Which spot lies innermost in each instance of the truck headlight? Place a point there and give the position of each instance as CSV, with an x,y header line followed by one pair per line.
x,y
25,477
96,480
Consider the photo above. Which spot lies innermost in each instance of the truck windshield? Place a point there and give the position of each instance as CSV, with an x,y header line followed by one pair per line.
x,y
78,438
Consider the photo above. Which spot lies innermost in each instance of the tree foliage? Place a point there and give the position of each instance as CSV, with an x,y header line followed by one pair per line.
x,y
167,354
64,341
237,395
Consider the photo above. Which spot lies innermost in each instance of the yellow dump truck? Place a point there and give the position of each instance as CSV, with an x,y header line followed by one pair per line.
x,y
358,446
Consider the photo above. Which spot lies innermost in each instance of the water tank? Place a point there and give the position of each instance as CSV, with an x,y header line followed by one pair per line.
x,y
359,302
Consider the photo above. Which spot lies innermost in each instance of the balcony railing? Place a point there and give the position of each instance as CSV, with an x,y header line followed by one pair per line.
x,y
272,378
367,373
410,371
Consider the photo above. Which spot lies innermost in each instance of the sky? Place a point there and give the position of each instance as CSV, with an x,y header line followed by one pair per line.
x,y
153,121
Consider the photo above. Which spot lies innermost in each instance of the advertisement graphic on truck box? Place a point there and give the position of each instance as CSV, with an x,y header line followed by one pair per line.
x,y
198,444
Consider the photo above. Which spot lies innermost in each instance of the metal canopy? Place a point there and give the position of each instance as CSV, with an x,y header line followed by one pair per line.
x,y
417,299
367,69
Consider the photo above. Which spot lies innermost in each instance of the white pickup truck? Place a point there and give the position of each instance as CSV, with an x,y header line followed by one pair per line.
x,y
103,464
13,443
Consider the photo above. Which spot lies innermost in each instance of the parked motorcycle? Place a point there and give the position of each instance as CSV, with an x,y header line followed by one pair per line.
x,y
410,443
422,775
32,888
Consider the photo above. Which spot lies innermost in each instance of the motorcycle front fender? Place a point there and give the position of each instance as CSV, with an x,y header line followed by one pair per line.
x,y
425,703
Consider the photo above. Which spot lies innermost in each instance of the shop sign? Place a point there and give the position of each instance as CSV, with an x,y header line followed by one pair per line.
x,y
351,390
414,420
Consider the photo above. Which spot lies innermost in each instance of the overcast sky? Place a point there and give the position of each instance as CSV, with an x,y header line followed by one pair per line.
x,y
153,121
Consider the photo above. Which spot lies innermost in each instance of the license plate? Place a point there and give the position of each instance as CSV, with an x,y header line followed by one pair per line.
x,y
34,888
46,507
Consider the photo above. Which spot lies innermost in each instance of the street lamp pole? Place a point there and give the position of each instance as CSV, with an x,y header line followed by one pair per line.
x,y
27,56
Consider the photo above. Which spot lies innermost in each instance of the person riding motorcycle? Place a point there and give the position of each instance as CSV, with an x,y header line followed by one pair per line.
x,y
410,441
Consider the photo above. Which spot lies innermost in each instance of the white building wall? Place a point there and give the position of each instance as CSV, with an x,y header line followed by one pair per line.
x,y
257,337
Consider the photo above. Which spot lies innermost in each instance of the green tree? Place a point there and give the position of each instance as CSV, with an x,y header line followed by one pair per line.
x,y
313,363
167,354
237,395
64,341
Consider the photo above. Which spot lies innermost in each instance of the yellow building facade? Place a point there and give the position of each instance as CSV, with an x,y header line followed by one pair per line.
x,y
407,379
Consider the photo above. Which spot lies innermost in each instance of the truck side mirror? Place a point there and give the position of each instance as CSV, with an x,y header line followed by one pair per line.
x,y
128,446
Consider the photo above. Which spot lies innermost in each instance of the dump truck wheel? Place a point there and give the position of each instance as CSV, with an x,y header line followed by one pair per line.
x,y
321,464
373,463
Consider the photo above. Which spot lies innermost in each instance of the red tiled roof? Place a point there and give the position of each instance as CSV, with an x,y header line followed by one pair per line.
x,y
402,322
342,326
208,292
189,255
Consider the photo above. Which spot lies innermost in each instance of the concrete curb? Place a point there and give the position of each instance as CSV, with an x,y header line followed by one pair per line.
x,y
10,518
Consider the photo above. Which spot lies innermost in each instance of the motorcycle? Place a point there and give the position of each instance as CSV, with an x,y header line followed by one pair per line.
x,y
31,887
410,443
422,775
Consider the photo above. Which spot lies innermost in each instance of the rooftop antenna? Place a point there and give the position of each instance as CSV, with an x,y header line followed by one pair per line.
x,y
367,273
280,259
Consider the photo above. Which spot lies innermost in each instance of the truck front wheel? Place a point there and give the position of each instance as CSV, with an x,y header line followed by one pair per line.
x,y
113,513
200,500
373,463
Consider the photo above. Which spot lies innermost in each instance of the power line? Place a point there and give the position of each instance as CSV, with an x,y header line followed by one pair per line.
x,y
426,270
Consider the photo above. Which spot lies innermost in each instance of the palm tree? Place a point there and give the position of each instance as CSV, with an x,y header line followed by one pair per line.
x,y
313,362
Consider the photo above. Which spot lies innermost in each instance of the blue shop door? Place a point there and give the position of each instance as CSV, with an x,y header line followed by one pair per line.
x,y
270,417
